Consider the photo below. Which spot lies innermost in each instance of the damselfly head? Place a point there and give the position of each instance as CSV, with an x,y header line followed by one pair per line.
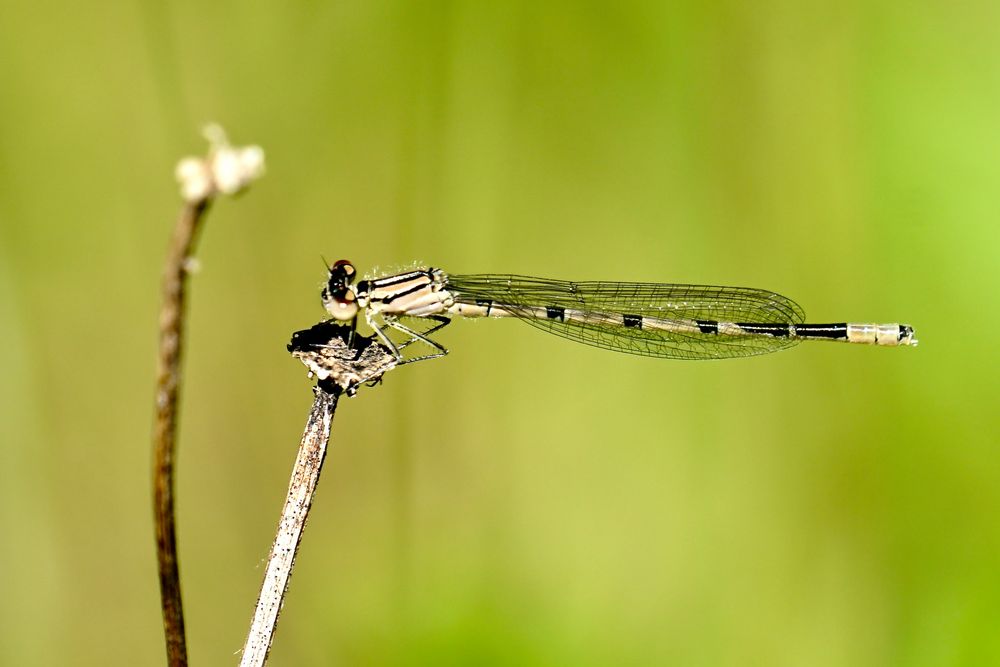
x,y
338,297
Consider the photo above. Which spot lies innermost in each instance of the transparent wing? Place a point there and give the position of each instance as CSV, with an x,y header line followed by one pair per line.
x,y
523,295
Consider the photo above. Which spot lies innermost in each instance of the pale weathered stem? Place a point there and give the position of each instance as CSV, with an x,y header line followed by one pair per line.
x,y
301,489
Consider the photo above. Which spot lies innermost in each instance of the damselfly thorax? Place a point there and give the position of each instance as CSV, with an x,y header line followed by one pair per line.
x,y
652,319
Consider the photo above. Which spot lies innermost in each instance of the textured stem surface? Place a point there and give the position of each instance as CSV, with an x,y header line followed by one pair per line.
x,y
168,381
301,489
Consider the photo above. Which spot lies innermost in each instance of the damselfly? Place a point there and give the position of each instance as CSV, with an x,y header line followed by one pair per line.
x,y
651,319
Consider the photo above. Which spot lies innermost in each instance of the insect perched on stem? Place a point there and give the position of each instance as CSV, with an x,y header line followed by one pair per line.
x,y
651,319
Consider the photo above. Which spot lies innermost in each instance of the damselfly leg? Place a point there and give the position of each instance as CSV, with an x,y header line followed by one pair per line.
x,y
392,322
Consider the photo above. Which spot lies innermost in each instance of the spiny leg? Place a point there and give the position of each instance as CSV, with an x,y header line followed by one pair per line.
x,y
354,330
442,322
378,329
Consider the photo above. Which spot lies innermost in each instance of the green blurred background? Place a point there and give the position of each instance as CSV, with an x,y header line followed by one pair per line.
x,y
526,500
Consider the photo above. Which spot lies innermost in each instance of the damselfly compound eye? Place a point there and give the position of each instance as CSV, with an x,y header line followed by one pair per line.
x,y
342,273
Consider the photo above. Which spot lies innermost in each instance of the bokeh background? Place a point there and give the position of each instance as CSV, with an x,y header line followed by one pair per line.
x,y
525,501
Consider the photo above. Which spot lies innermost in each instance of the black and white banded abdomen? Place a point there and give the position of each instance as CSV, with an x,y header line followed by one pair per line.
x,y
849,332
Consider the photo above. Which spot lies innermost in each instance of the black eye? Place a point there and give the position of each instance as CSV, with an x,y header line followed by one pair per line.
x,y
342,273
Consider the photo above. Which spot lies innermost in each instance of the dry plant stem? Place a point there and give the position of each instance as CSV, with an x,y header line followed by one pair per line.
x,y
301,489
165,428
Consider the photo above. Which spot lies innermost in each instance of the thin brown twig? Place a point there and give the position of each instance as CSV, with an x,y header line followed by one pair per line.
x,y
165,427
301,490
225,170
